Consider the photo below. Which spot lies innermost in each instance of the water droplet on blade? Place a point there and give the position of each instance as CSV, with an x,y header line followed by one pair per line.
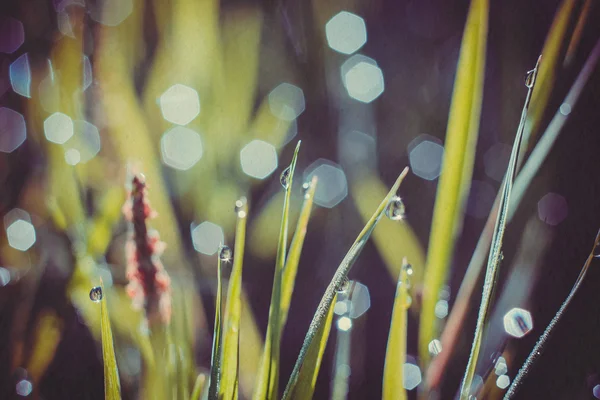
x,y
225,253
343,286
529,78
285,178
96,294
395,209
305,188
241,207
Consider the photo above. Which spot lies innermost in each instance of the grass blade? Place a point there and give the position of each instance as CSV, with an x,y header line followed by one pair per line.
x,y
293,258
496,249
233,310
337,281
539,346
395,354
341,372
215,364
112,385
307,378
198,387
268,377
459,155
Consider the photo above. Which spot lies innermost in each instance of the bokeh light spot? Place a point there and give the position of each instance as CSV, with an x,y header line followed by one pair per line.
x,y
20,76
344,324
346,32
503,381
87,73
441,309
425,156
596,391
362,78
58,128
12,35
332,187
501,368
4,276
258,159
181,148
85,140
207,237
553,209
360,301
180,104
111,12
19,230
518,322
72,156
412,376
495,161
12,130
24,388
286,102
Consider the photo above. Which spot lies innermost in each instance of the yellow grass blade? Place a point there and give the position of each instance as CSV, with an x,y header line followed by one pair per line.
x,y
112,385
215,364
453,187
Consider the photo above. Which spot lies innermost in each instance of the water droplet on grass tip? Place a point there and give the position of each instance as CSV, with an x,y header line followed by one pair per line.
x,y
285,178
529,78
395,209
225,253
305,188
241,207
96,294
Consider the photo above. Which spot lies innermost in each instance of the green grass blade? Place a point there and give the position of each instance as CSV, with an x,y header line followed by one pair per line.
x,y
268,377
112,385
395,354
233,309
293,258
305,385
459,154
496,249
198,387
337,281
215,364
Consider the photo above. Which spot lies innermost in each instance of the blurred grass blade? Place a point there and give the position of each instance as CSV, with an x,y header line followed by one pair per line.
x,y
577,32
215,362
268,376
341,372
496,246
233,311
395,354
112,385
539,346
459,155
293,258
393,240
337,281
530,169
198,387
305,385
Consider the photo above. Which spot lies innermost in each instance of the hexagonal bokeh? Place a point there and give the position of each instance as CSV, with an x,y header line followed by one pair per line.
x,y
72,156
346,32
503,381
19,230
481,199
362,78
12,35
518,322
12,130
360,301
495,161
24,388
181,148
58,128
441,309
258,159
286,102
435,347
85,143
553,209
425,154
180,104
500,368
87,73
344,324
332,187
412,376
596,391
20,75
207,237
111,12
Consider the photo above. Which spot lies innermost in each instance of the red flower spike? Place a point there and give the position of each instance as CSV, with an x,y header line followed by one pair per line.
x,y
149,284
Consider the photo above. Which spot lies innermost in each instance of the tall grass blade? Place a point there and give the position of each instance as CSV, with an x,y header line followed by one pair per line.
x,y
268,377
530,168
496,249
215,363
112,385
199,385
339,277
307,378
231,335
395,354
539,346
459,155
293,258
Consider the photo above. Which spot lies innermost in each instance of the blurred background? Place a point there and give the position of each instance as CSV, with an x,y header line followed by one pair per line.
x,y
208,100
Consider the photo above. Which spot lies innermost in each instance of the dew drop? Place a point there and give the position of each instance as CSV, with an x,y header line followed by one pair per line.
x,y
343,286
241,207
395,209
305,188
96,294
408,269
285,178
408,301
529,78
225,253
